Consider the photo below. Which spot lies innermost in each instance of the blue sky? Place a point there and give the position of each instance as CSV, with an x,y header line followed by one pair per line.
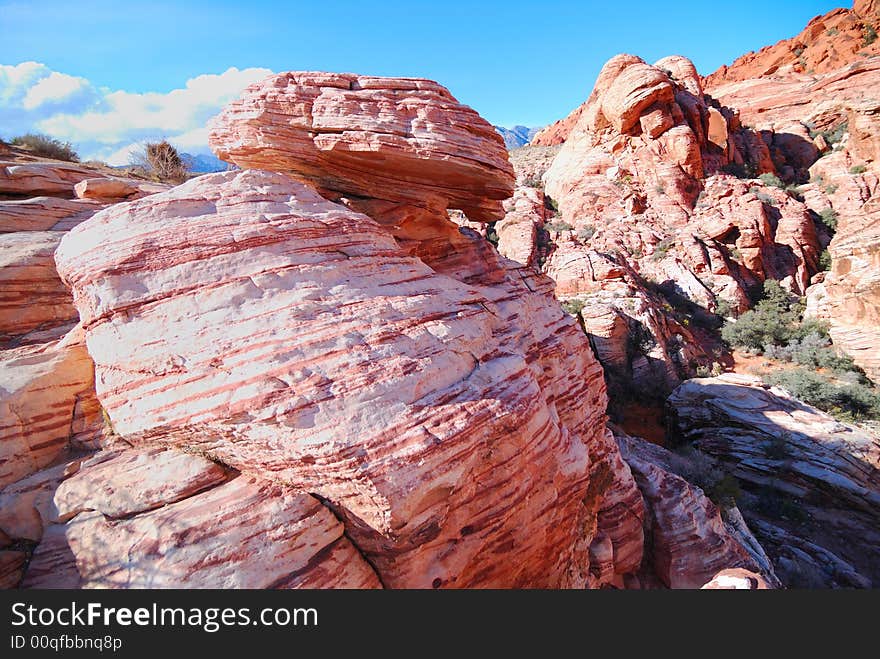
x,y
515,62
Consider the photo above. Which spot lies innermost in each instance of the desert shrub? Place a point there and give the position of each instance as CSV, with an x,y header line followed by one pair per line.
x,y
773,321
574,307
844,400
857,169
586,233
47,147
492,234
764,198
828,216
832,31
723,308
161,160
724,492
831,135
639,340
777,447
551,204
559,226
870,35
825,260
831,189
662,249
812,350
533,182
772,180
660,189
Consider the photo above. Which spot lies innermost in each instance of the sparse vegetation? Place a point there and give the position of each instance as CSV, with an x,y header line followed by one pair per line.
x,y
533,182
662,249
777,447
559,227
825,260
700,469
771,179
846,401
812,350
724,309
660,189
586,233
832,31
775,320
858,169
161,160
640,340
551,204
828,216
832,135
763,197
573,307
47,147
870,35
492,234
823,377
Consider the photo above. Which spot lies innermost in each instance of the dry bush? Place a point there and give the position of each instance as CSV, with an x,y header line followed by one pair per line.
x,y
47,147
161,160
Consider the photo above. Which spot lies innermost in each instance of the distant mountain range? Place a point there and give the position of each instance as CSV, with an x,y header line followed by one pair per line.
x,y
517,136
203,163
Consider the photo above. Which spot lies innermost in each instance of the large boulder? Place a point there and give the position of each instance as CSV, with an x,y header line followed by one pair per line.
x,y
816,478
448,424
47,405
31,293
404,140
159,518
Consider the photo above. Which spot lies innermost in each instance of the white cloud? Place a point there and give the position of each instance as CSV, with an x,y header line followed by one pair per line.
x,y
55,88
108,125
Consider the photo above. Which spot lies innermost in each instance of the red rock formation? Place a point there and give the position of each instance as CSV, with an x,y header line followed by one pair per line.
x,y
558,131
148,518
32,179
111,189
688,538
780,103
648,226
328,129
47,405
828,43
44,213
487,398
517,231
31,293
849,296
780,449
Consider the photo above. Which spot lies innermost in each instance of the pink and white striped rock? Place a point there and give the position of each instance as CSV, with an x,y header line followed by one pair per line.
x,y
404,140
31,293
130,481
41,178
447,418
27,506
47,405
689,540
44,213
253,534
104,189
517,231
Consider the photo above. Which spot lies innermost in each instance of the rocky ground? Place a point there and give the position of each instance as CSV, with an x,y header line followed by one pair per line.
x,y
383,353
